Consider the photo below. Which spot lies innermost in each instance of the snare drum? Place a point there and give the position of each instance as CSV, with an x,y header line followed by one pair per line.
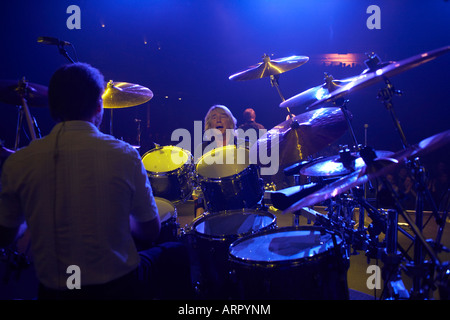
x,y
170,171
228,180
168,217
300,263
209,240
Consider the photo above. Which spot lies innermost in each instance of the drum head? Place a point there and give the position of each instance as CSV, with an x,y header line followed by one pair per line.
x,y
282,245
233,223
223,162
165,159
165,209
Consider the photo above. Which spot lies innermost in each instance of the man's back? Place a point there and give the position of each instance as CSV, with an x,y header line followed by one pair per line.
x,y
85,184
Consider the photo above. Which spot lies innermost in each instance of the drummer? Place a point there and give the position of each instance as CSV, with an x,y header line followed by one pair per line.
x,y
220,130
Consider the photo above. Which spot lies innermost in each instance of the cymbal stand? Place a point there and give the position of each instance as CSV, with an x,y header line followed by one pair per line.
x,y
138,137
418,268
24,111
417,173
274,83
342,104
386,95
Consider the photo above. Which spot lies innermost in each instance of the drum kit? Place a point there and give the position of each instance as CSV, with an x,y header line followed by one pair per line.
x,y
237,249
311,262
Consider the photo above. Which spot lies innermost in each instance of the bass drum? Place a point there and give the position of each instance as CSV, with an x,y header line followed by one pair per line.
x,y
209,240
299,263
170,171
228,180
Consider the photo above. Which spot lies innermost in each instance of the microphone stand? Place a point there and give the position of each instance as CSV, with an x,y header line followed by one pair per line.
x,y
64,53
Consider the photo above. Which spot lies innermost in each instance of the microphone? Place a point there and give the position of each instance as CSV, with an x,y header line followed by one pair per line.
x,y
53,41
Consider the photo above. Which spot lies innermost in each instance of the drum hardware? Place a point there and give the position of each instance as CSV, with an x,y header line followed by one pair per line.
x,y
377,168
375,72
60,44
24,94
284,198
124,95
416,171
138,130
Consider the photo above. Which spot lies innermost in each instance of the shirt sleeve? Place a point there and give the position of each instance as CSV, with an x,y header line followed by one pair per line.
x,y
11,213
143,202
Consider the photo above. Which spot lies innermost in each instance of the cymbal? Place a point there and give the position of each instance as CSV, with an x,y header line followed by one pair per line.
x,y
11,92
378,73
427,145
269,67
302,136
308,97
381,167
335,166
124,95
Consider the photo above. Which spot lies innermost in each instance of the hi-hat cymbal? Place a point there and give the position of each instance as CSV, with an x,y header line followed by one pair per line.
x,y
269,68
124,95
302,136
338,165
381,167
379,72
11,92
308,97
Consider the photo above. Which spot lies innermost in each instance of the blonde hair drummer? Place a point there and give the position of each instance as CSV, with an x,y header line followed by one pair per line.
x,y
220,123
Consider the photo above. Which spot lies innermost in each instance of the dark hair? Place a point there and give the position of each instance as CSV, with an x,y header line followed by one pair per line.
x,y
74,91
249,114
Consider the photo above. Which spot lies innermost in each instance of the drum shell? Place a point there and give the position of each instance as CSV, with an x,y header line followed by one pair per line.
x,y
243,190
174,185
322,276
209,253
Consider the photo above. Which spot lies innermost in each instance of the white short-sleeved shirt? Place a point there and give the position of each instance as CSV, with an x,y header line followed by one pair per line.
x,y
76,189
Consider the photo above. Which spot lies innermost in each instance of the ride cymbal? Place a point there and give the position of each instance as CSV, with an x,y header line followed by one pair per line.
x,y
124,95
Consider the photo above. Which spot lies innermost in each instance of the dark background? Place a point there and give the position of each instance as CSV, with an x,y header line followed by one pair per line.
x,y
188,48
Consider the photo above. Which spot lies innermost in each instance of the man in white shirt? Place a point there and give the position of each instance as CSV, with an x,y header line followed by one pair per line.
x,y
86,198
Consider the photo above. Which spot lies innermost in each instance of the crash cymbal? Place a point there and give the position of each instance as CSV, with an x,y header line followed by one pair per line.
x,y
425,146
302,136
308,97
339,165
12,91
380,167
270,68
378,72
124,95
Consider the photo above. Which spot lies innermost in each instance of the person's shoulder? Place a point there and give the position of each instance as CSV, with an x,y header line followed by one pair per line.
x,y
119,147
